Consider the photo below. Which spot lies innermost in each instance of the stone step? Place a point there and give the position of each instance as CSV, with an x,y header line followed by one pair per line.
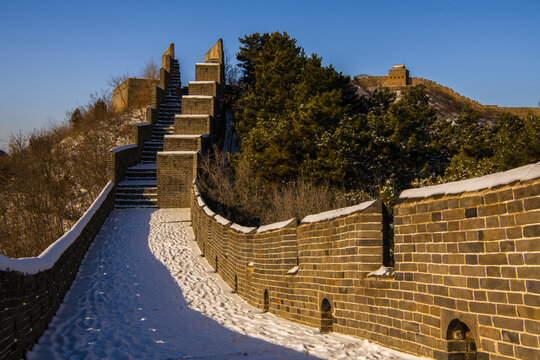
x,y
136,197
140,175
150,190
141,178
138,183
136,203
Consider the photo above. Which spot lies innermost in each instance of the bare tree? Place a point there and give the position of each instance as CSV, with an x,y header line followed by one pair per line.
x,y
150,71
231,70
115,80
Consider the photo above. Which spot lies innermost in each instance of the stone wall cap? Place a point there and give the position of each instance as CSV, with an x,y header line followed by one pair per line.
x,y
144,123
208,212
197,97
182,136
242,229
275,226
192,115
123,147
177,152
202,82
200,201
207,64
221,220
523,173
48,258
332,214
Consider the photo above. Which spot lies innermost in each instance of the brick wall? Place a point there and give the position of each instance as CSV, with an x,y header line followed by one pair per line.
x,y
119,159
28,302
475,257
175,173
158,96
464,264
334,257
142,132
132,93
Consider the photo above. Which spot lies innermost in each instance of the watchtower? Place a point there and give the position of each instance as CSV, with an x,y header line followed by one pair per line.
x,y
398,75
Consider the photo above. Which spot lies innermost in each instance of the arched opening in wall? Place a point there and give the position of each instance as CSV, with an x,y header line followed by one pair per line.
x,y
266,301
461,345
216,264
235,283
326,316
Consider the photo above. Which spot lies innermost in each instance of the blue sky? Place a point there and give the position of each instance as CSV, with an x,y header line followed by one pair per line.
x,y
54,54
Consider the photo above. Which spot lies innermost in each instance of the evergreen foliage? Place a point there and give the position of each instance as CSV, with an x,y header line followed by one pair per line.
x,y
290,108
298,120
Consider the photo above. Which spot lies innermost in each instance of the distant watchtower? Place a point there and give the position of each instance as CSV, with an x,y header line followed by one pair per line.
x,y
398,75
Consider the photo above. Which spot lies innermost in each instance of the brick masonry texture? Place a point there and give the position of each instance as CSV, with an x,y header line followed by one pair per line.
x,y
471,257
141,133
203,88
209,72
132,93
182,143
29,302
192,125
196,105
119,161
175,174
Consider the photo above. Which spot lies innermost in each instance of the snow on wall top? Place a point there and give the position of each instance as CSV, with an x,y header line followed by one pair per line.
x,y
208,64
332,214
123,147
275,226
242,229
221,220
527,172
201,82
48,258
208,212
200,201
181,136
190,115
177,152
144,123
197,96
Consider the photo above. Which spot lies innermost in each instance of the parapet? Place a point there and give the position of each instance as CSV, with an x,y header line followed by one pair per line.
x,y
215,54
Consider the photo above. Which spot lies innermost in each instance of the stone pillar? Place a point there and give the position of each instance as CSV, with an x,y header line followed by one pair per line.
x,y
176,171
142,133
151,114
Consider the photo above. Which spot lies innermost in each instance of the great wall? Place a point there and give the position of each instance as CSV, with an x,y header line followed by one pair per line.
x,y
398,78
465,282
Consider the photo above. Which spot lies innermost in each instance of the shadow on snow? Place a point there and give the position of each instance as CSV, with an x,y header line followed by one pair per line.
x,y
125,304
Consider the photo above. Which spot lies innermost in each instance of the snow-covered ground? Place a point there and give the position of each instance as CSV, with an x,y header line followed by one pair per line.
x,y
144,292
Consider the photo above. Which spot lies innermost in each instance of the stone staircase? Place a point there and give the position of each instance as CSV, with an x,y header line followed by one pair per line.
x,y
139,189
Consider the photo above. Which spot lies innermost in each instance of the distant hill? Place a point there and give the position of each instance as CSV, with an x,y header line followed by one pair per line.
x,y
448,103
3,153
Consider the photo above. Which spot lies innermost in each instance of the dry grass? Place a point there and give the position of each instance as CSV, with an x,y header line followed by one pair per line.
x,y
52,176
241,197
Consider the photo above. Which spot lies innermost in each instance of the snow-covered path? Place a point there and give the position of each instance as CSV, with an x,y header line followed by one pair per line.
x,y
143,292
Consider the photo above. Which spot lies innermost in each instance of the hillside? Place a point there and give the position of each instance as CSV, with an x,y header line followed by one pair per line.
x,y
50,178
448,103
